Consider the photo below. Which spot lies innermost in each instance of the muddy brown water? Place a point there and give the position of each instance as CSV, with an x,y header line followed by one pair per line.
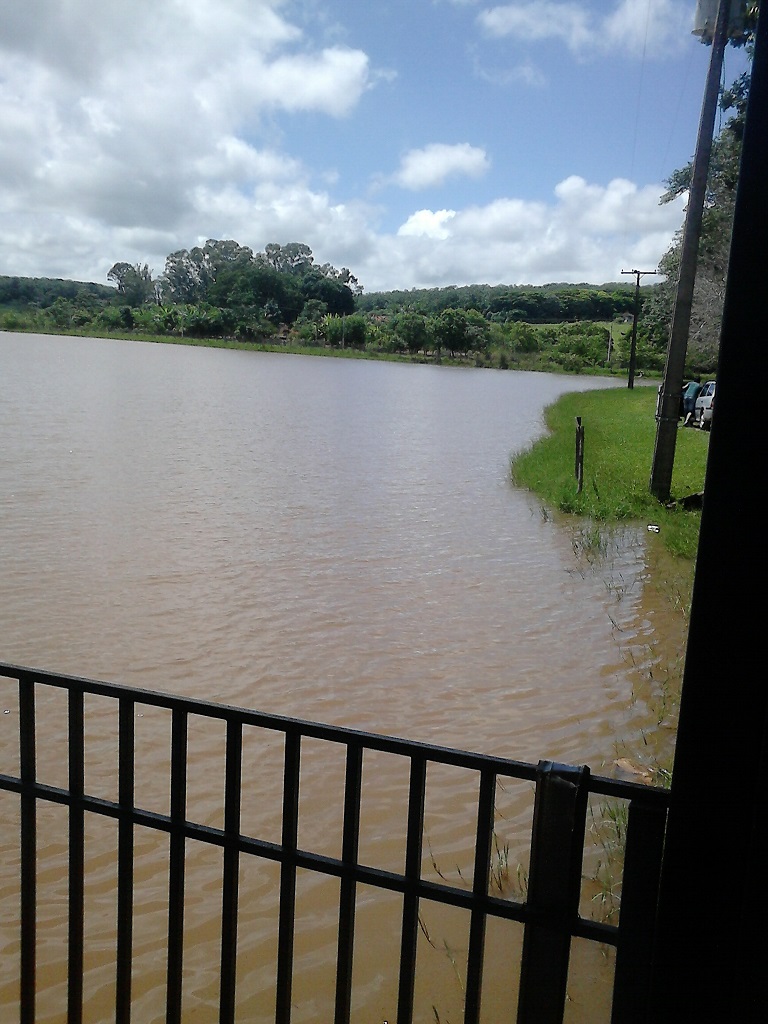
x,y
332,540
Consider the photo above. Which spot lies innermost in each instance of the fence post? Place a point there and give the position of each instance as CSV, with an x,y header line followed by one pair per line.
x,y
554,886
579,453
646,827
28,850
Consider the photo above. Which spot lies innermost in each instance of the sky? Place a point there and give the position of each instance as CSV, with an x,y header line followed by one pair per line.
x,y
418,143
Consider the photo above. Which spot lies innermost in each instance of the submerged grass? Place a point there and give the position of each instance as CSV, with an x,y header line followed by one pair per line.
x,y
619,439
619,436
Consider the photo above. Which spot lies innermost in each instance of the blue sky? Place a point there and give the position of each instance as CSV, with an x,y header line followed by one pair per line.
x,y
417,142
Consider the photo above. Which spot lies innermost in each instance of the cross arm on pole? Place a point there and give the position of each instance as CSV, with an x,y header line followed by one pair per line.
x,y
633,350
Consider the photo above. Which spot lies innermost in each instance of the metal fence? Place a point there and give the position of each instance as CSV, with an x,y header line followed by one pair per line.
x,y
548,910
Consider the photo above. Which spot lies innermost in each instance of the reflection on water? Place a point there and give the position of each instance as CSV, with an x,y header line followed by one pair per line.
x,y
333,540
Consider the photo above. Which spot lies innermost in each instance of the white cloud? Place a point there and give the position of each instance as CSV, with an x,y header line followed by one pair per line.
x,y
235,159
427,224
654,28
627,26
588,232
430,166
133,121
620,206
332,81
132,131
539,20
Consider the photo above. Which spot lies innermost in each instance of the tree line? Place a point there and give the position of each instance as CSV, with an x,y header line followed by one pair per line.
x,y
224,288
551,303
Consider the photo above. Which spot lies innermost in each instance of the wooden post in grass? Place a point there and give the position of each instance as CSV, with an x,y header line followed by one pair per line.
x,y
579,453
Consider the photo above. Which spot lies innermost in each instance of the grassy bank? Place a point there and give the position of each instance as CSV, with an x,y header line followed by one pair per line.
x,y
619,436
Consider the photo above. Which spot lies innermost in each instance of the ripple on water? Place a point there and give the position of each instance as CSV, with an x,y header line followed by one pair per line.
x,y
324,539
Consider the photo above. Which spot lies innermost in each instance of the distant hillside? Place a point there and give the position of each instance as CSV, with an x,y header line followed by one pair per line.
x,y
42,292
549,303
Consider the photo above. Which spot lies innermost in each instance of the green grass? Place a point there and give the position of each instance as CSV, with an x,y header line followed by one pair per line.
x,y
619,437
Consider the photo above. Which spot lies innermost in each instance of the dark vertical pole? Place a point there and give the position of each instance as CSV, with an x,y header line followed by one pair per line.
x,y
579,454
554,887
76,858
176,855
633,344
231,872
666,427
27,759
347,896
483,846
413,852
290,834
125,862
709,965
639,894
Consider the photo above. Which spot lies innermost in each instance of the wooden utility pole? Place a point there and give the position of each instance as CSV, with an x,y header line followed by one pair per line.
x,y
709,952
633,349
668,410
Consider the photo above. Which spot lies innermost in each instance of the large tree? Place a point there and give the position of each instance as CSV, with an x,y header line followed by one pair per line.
x,y
275,285
134,283
189,275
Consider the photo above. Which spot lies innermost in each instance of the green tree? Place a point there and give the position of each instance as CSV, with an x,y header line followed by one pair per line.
x,y
328,289
134,283
460,331
345,331
412,329
293,258
478,331
186,276
523,338
450,331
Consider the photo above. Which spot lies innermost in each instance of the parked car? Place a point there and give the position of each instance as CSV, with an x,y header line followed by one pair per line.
x,y
705,404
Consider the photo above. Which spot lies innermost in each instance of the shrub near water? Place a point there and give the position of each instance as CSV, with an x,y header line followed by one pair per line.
x,y
619,437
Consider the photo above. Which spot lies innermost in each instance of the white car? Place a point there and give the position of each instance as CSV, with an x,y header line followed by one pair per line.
x,y
705,404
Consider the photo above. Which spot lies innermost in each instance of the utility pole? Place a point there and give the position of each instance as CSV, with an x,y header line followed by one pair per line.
x,y
705,970
668,409
633,349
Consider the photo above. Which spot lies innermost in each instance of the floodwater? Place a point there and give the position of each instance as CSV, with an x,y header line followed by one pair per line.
x,y
333,540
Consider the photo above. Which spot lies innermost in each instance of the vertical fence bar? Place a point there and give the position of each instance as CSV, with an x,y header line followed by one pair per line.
x,y
349,852
287,920
28,909
413,855
176,866
126,730
230,880
554,883
76,858
646,827
483,842
553,894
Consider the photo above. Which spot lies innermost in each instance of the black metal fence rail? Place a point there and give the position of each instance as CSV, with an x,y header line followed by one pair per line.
x,y
549,912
